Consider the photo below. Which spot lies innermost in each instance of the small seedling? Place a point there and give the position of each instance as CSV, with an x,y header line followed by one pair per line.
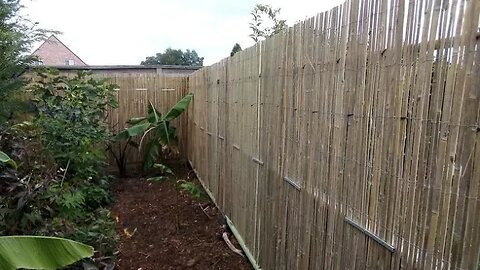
x,y
180,184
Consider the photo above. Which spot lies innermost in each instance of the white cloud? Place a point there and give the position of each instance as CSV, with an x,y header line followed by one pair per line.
x,y
125,31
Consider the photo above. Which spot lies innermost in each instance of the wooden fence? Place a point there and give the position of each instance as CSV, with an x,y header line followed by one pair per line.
x,y
350,141
134,93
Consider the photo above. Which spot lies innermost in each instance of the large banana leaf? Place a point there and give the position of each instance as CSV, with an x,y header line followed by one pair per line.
x,y
40,252
132,131
138,129
180,107
122,136
7,160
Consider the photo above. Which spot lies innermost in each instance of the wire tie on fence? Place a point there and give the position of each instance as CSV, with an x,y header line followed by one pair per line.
x,y
221,137
236,147
209,133
291,182
256,160
202,128
370,234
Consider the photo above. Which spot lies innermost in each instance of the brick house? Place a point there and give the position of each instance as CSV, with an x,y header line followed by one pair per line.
x,y
54,53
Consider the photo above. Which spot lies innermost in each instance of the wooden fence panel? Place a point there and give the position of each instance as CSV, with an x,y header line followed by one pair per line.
x,y
351,140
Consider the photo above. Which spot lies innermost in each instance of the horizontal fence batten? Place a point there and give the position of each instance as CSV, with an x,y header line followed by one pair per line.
x,y
370,234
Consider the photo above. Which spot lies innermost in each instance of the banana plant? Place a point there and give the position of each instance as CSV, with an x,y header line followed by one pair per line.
x,y
40,252
159,125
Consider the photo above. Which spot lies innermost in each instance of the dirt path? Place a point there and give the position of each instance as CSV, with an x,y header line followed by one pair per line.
x,y
148,236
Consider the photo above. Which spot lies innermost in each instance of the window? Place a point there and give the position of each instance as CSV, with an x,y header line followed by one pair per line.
x,y
69,62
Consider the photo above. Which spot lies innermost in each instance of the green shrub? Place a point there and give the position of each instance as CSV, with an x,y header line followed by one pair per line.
x,y
51,169
72,114
59,187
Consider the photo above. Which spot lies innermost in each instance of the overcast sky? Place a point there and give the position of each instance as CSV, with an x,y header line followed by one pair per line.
x,y
124,32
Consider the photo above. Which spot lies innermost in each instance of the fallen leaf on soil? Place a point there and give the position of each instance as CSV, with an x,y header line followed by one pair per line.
x,y
128,234
191,262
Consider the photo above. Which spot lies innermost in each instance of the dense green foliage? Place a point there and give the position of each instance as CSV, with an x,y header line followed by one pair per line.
x,y
71,112
265,22
17,36
52,180
174,57
59,187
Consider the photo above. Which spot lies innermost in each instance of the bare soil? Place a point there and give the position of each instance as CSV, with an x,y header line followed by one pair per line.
x,y
149,240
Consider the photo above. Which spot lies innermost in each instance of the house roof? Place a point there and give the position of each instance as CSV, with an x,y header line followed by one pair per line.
x,y
54,39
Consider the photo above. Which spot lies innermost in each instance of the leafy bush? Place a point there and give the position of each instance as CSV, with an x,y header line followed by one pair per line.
x,y
51,169
37,199
72,113
21,206
72,117
59,187
95,228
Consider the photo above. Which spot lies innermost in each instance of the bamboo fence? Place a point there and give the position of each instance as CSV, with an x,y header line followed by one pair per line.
x,y
351,140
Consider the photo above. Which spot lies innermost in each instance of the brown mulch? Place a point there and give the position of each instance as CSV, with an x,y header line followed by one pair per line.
x,y
149,240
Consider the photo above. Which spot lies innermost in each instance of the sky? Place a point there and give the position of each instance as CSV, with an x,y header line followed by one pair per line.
x,y
125,32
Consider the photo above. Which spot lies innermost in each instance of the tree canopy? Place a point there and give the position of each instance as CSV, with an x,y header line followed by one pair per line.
x,y
175,57
265,22
17,36
236,48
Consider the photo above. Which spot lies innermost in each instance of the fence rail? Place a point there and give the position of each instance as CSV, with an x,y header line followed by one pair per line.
x,y
350,141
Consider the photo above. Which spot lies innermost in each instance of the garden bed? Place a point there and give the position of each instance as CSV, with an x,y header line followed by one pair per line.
x,y
145,214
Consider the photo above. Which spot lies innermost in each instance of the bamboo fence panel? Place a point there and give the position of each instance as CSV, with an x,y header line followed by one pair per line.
x,y
351,140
